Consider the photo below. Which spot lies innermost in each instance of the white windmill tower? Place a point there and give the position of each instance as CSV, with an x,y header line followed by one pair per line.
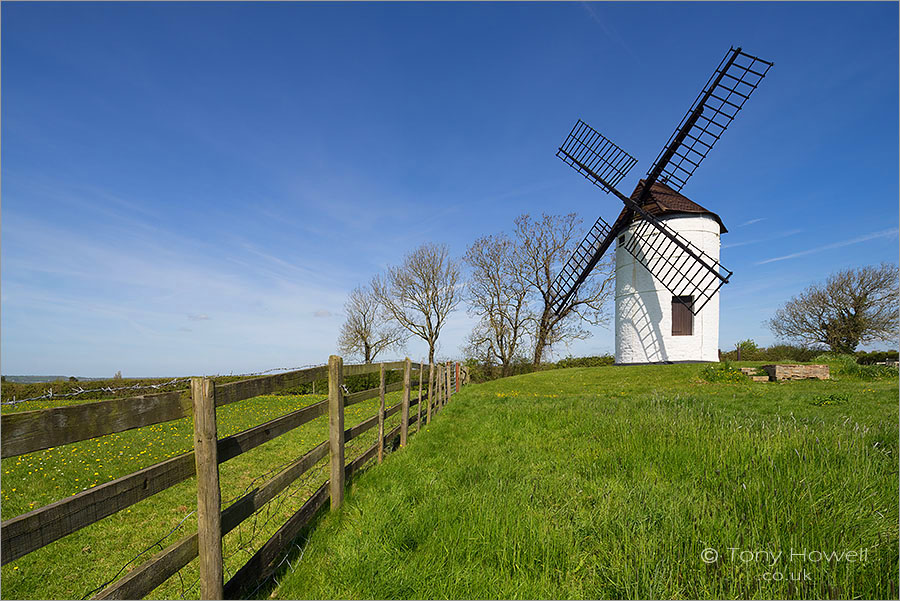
x,y
667,255
652,325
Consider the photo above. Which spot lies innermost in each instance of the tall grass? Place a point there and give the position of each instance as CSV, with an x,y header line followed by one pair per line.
x,y
612,483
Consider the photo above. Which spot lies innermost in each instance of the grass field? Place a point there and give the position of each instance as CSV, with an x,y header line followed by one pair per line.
x,y
617,482
75,565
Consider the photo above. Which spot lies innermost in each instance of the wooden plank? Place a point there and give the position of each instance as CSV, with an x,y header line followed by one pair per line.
x,y
209,495
380,442
141,581
404,420
336,429
363,426
247,389
457,377
262,564
370,368
391,411
371,393
232,446
29,431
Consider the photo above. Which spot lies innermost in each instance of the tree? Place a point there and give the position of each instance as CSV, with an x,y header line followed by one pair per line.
x,y
542,248
747,350
368,329
498,296
854,306
421,293
118,375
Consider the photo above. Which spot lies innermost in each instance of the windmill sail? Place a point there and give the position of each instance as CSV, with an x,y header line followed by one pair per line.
x,y
580,264
718,103
594,156
680,266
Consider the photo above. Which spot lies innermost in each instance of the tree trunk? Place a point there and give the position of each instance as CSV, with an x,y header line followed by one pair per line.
x,y
541,340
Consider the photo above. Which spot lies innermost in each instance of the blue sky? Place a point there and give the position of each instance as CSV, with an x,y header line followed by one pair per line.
x,y
195,188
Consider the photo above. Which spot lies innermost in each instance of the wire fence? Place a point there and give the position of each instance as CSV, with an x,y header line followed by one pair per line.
x,y
245,539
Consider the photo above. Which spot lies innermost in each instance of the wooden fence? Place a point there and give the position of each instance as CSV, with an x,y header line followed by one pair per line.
x,y
30,431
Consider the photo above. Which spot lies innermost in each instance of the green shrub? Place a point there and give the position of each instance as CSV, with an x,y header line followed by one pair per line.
x,y
722,372
872,357
780,353
596,361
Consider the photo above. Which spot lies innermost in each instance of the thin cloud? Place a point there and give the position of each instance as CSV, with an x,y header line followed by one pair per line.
x,y
872,236
322,313
752,221
198,317
758,240
610,32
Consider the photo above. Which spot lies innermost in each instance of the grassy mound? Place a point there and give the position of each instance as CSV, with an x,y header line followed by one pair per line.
x,y
624,482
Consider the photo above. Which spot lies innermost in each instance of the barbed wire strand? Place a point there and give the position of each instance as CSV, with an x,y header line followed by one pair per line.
x,y
133,559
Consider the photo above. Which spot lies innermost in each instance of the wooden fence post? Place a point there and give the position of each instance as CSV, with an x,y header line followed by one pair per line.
x,y
430,389
404,411
457,376
381,417
419,404
336,429
438,387
209,496
449,388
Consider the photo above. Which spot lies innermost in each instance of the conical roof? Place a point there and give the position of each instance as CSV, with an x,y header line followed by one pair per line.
x,y
666,201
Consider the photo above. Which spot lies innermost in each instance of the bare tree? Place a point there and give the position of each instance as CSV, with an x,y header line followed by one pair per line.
x,y
368,330
498,295
421,293
855,306
543,246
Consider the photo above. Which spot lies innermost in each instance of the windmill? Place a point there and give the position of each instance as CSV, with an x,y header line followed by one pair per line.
x,y
677,264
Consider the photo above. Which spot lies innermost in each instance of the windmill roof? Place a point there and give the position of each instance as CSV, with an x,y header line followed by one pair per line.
x,y
666,201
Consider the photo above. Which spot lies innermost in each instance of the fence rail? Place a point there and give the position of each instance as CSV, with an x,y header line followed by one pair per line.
x,y
35,430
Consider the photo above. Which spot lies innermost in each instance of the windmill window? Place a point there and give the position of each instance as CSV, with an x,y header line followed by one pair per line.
x,y
682,317
622,239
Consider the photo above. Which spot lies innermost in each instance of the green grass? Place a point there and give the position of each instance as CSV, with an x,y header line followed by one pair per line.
x,y
609,482
78,563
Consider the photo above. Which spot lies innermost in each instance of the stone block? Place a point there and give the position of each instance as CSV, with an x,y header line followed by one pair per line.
x,y
797,372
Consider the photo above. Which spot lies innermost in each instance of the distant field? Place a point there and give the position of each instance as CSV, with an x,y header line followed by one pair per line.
x,y
44,379
618,482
